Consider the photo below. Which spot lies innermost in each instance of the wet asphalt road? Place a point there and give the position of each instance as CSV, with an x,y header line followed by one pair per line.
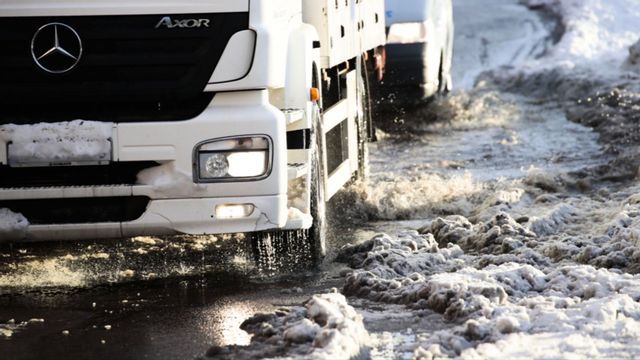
x,y
163,319
192,301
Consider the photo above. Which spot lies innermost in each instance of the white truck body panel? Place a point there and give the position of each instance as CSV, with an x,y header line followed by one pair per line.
x,y
345,27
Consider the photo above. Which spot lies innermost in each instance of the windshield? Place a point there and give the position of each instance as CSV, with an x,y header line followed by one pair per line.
x,y
403,11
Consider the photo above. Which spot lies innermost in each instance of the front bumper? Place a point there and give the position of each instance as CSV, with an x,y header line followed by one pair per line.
x,y
170,217
179,206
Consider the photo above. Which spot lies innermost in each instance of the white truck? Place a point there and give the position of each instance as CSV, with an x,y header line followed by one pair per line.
x,y
419,49
124,118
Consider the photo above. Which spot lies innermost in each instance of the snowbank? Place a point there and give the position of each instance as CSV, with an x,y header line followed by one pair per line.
x,y
74,141
598,47
536,269
326,327
597,32
581,312
511,310
506,279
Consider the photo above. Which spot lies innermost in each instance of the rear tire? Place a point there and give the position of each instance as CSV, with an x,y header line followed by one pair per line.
x,y
365,123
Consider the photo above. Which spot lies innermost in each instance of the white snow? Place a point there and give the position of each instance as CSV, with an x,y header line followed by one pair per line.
x,y
12,225
508,310
343,334
303,331
493,33
549,223
597,34
295,214
511,288
326,327
168,179
65,142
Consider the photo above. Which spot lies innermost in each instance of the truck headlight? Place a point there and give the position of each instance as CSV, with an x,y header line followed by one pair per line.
x,y
233,159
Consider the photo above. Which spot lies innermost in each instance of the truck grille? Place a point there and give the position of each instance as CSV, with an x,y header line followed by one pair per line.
x,y
129,70
79,211
117,173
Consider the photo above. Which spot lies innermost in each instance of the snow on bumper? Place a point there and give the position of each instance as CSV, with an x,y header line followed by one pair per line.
x,y
177,204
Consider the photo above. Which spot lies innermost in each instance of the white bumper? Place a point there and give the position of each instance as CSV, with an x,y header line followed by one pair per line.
x,y
172,217
184,207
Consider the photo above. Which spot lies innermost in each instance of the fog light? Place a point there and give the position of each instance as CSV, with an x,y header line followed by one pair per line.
x,y
234,159
216,166
234,211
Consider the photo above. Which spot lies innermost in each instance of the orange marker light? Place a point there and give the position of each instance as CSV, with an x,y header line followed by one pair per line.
x,y
315,94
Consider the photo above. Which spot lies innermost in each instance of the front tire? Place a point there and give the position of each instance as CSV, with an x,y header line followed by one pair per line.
x,y
283,251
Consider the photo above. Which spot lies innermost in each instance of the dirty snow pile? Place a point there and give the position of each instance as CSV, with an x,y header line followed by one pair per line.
x,y
615,114
58,142
530,271
326,327
498,309
596,32
539,267
12,225
577,310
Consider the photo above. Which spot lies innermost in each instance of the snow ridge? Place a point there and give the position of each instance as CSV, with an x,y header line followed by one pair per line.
x,y
326,327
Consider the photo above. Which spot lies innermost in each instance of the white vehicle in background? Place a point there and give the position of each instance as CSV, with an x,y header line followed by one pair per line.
x,y
419,48
198,116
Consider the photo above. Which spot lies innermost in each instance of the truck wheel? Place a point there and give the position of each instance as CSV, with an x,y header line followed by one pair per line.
x,y
288,251
318,205
444,87
365,124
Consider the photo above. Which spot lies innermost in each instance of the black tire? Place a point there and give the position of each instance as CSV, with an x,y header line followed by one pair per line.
x,y
443,83
288,251
318,204
365,124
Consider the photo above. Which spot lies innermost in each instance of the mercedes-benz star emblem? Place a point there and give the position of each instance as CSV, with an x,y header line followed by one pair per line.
x,y
56,48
